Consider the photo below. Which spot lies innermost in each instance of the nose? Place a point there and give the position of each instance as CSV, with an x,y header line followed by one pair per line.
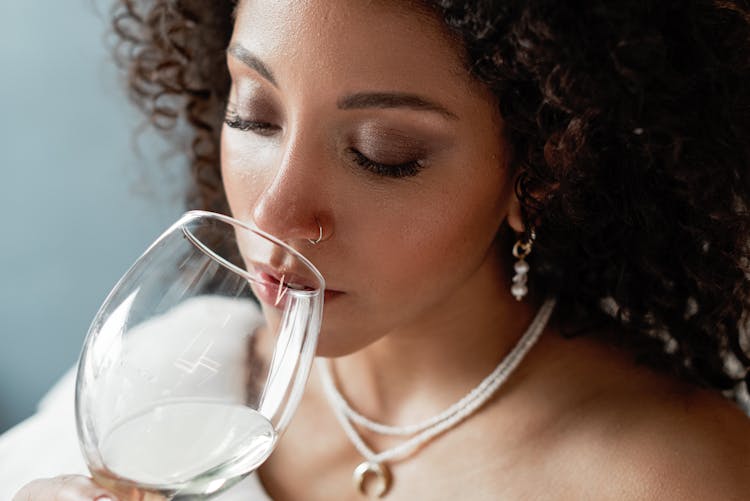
x,y
292,204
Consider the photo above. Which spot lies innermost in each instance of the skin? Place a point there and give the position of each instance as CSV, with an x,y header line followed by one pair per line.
x,y
385,238
424,310
414,257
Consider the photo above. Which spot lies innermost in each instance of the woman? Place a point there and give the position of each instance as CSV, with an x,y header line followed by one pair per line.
x,y
451,165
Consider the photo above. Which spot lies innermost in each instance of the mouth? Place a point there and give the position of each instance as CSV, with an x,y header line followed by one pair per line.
x,y
285,278
274,283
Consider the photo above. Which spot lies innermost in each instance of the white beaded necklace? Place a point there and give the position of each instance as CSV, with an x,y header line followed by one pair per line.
x,y
422,432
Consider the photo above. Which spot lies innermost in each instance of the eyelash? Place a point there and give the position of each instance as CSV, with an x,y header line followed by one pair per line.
x,y
405,169
234,121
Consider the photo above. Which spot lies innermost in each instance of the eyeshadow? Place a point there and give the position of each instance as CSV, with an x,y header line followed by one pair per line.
x,y
389,145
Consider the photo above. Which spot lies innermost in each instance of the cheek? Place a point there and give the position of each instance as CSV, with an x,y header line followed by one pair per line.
x,y
438,240
241,177
446,233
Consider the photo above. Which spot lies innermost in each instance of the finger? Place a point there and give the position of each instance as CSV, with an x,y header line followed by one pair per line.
x,y
64,488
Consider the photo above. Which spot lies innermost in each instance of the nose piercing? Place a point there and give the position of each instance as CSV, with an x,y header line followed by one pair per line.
x,y
320,234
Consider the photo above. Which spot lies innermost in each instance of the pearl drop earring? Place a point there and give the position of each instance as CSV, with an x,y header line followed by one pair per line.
x,y
521,250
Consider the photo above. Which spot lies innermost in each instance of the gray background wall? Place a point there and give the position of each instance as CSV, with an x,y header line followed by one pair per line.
x,y
77,205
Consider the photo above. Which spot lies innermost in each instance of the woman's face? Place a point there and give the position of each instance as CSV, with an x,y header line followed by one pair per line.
x,y
361,116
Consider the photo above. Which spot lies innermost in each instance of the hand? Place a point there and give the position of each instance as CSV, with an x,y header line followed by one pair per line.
x,y
76,488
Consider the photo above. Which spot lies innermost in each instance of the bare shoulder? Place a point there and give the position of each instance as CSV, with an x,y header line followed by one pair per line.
x,y
695,447
666,444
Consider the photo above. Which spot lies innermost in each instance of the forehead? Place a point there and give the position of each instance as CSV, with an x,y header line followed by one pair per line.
x,y
353,44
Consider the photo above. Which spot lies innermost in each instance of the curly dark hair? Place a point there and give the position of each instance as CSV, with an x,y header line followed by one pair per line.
x,y
629,124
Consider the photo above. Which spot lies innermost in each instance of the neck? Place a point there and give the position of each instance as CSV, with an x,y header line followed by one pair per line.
x,y
419,370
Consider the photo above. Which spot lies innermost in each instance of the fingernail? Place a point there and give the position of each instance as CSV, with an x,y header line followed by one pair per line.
x,y
104,498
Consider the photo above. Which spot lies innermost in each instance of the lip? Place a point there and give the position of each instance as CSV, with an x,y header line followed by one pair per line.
x,y
269,293
270,278
268,273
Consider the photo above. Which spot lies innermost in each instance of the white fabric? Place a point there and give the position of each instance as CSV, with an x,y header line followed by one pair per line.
x,y
46,445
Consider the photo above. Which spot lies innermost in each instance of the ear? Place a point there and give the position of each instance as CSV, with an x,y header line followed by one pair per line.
x,y
515,220
514,213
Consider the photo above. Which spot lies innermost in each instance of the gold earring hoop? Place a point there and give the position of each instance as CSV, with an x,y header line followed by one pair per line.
x,y
320,234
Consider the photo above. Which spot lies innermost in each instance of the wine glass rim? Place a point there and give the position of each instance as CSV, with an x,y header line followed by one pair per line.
x,y
192,214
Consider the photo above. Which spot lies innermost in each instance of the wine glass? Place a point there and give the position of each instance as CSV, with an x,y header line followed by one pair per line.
x,y
197,359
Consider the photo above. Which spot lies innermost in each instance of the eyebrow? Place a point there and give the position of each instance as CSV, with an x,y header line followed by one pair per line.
x,y
252,61
357,101
392,100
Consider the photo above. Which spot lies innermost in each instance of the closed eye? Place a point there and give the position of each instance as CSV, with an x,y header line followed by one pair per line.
x,y
404,169
234,121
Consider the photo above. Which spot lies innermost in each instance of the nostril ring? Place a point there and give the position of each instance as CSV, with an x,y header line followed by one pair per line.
x,y
320,234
